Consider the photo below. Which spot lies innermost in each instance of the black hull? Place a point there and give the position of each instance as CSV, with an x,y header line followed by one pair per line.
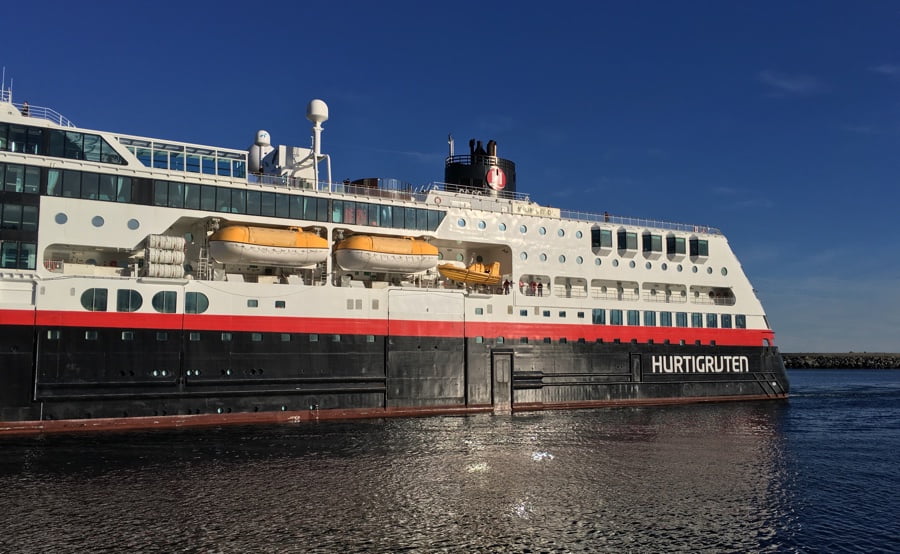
x,y
87,379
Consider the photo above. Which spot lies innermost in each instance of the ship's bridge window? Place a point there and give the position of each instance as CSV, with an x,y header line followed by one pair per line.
x,y
164,301
699,247
195,303
94,299
627,240
128,300
652,243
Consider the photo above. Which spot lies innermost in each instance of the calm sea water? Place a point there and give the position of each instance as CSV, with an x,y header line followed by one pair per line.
x,y
818,473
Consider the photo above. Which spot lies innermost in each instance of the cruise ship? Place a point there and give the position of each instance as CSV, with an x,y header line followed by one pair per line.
x,y
149,283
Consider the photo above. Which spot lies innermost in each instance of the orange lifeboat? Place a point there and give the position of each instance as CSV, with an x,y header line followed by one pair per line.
x,y
390,254
243,244
475,274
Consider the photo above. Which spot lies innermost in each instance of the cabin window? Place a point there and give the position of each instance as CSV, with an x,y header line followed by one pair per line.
x,y
598,316
252,303
314,337
94,299
696,320
479,311
562,314
675,245
128,300
280,304
627,240
523,313
195,303
650,319
127,335
601,238
256,337
712,320
726,321
615,317
699,247
267,204
90,335
194,336
634,317
681,319
226,337
162,336
546,313
53,334
580,315
740,321
665,319
652,243
164,302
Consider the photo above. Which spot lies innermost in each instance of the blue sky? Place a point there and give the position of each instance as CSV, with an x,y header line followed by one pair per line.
x,y
777,122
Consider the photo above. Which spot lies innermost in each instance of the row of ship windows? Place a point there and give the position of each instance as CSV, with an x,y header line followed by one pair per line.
x,y
625,240
650,318
195,336
171,194
57,143
192,160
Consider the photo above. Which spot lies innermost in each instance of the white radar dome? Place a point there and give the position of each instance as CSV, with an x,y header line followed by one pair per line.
x,y
317,111
263,138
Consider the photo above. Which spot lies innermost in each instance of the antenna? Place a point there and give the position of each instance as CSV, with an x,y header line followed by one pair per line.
x,y
450,142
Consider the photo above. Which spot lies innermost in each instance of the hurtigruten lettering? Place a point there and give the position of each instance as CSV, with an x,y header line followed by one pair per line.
x,y
700,364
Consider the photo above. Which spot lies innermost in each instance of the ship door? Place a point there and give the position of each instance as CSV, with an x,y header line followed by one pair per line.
x,y
636,369
501,370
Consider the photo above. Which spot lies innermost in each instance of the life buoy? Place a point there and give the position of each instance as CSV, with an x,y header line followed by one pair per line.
x,y
437,200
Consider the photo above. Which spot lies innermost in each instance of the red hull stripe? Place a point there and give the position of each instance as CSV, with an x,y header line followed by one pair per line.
x,y
288,324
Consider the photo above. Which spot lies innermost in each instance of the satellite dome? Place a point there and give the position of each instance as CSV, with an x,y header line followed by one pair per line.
x,y
317,111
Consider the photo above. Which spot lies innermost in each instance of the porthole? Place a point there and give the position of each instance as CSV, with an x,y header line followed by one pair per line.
x,y
648,265
502,226
482,224
61,218
97,221
561,233
724,271
459,257
542,231
543,257
615,263
460,222
579,260
578,234
523,229
562,258
679,268
133,224
597,261
631,264
664,266
694,269
523,256
709,271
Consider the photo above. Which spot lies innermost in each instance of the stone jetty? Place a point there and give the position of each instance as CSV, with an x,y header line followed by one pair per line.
x,y
849,360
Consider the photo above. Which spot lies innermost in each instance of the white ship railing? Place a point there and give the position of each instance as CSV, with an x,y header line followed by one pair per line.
x,y
404,191
41,112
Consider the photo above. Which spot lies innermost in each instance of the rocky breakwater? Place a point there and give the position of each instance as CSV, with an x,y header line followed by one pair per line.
x,y
849,360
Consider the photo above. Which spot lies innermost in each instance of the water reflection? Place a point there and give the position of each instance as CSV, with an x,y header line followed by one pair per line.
x,y
691,477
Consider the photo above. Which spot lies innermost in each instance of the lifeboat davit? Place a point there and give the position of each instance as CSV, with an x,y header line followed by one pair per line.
x,y
242,244
390,254
475,274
